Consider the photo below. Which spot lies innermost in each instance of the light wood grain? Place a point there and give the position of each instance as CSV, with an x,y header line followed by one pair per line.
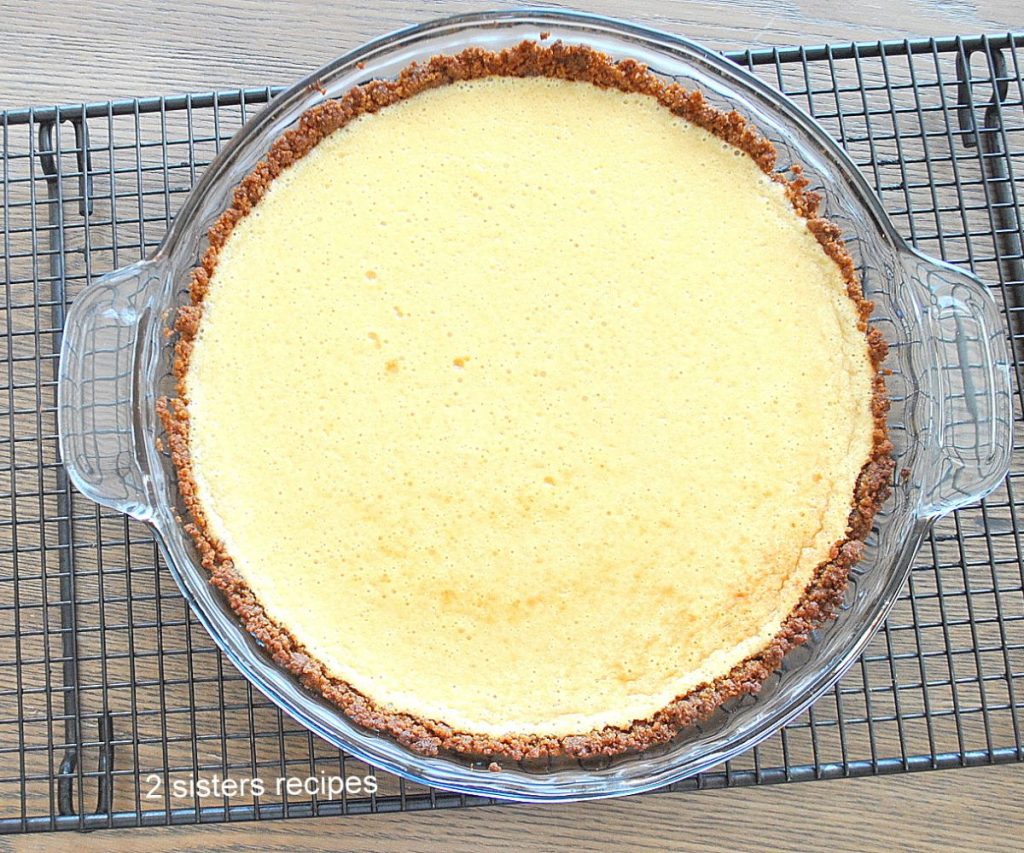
x,y
976,809
99,49
68,52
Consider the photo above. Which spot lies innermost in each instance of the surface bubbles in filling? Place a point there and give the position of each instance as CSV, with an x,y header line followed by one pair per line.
x,y
527,406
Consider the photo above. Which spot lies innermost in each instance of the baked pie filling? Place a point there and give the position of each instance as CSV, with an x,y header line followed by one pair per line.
x,y
524,409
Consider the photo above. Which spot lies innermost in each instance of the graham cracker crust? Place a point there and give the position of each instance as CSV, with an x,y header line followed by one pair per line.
x,y
431,737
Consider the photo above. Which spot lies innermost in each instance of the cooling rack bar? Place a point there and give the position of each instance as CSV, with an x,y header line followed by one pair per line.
x,y
752,56
111,694
421,802
872,49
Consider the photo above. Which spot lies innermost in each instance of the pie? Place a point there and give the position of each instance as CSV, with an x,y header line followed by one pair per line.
x,y
524,409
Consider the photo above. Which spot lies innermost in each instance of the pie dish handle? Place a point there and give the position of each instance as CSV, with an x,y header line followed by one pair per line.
x,y
967,409
98,389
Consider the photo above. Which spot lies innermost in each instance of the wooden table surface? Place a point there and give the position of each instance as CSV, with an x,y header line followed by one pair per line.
x,y
61,52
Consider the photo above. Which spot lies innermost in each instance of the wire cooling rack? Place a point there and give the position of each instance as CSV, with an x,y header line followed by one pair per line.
x,y
116,709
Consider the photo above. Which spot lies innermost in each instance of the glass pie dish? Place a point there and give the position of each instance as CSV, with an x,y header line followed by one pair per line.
x,y
950,420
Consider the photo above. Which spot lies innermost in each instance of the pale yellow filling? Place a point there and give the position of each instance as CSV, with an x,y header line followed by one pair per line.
x,y
527,406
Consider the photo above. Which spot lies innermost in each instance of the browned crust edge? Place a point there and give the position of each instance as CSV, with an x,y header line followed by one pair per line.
x,y
430,737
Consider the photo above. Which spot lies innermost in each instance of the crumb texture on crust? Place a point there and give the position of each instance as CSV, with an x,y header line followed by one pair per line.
x,y
428,736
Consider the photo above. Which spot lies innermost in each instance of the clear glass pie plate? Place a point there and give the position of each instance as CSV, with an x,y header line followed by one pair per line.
x,y
950,420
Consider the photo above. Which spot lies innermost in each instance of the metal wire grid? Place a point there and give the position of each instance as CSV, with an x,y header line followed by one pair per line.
x,y
111,694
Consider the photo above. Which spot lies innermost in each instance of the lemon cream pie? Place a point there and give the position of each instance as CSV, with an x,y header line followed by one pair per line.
x,y
524,409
